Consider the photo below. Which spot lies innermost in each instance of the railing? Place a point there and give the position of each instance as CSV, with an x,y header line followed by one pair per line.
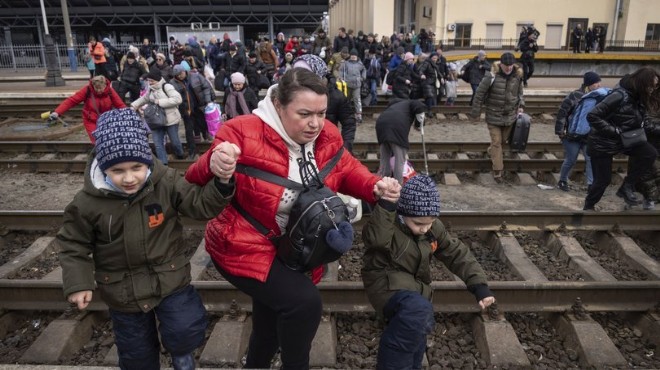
x,y
26,56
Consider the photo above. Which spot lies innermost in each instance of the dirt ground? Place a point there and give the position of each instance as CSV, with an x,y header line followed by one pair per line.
x,y
42,191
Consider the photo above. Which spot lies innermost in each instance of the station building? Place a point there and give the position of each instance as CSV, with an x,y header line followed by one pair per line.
x,y
629,24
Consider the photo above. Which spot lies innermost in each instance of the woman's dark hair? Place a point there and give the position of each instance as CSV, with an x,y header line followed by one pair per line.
x,y
643,80
296,80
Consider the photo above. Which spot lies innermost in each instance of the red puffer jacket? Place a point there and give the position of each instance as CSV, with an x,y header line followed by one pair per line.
x,y
232,241
95,104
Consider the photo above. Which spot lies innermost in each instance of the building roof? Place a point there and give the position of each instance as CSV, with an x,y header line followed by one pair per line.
x,y
285,13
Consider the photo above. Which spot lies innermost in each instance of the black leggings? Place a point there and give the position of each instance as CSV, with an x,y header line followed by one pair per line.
x,y
640,162
286,311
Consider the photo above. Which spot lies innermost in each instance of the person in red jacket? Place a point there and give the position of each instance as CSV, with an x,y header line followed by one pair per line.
x,y
98,96
289,125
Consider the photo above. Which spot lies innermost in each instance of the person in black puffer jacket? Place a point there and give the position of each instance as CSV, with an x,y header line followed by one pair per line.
x,y
625,109
405,77
130,78
429,73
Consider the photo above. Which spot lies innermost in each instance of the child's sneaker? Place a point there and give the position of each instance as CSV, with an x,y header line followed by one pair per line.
x,y
648,205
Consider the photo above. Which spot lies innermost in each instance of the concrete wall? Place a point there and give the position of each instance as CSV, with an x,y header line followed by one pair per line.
x,y
636,15
379,16
519,12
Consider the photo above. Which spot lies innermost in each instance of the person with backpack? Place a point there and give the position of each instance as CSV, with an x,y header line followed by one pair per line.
x,y
401,237
98,97
501,94
374,67
474,71
573,128
353,73
164,95
613,120
286,135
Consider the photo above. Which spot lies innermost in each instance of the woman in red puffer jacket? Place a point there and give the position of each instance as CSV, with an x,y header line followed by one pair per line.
x,y
288,126
98,96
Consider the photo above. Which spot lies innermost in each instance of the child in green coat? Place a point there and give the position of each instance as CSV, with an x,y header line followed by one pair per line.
x,y
400,238
122,237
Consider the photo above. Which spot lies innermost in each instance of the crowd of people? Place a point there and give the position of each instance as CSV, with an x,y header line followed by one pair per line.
x,y
128,213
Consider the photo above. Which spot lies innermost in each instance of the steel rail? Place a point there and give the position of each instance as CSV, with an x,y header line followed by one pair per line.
x,y
358,147
449,296
435,165
505,221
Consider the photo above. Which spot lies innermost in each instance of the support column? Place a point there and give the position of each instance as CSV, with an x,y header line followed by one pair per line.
x,y
53,72
73,61
11,46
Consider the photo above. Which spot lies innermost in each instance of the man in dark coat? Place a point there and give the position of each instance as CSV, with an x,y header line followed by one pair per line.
x,y
340,111
475,69
576,38
528,48
392,130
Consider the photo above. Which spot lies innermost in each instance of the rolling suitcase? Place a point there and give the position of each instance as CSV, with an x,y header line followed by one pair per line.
x,y
520,133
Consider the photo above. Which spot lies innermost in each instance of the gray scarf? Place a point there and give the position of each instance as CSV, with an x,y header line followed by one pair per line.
x,y
233,97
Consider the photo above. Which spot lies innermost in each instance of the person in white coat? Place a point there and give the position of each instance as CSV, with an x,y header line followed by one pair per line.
x,y
164,95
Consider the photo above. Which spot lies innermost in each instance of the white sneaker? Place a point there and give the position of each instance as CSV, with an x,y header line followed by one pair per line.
x,y
648,205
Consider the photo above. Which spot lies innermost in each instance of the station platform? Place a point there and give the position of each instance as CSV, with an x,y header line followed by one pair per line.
x,y
17,88
557,72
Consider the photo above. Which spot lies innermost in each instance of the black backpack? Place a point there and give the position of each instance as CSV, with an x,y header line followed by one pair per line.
x,y
465,76
391,77
317,211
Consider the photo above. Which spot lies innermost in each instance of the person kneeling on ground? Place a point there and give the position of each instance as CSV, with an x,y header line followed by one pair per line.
x,y
400,239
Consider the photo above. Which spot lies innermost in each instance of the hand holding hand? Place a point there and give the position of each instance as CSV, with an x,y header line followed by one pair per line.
x,y
80,299
484,303
388,189
223,160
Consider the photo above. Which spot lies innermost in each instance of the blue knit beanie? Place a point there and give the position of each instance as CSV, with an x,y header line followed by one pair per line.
x,y
121,136
419,198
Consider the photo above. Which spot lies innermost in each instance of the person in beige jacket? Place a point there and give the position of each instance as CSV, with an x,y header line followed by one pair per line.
x,y
164,95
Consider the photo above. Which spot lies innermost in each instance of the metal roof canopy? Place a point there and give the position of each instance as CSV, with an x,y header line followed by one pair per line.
x,y
285,13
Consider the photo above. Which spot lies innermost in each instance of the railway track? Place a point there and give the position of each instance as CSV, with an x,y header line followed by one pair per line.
x,y
572,308
62,156
13,104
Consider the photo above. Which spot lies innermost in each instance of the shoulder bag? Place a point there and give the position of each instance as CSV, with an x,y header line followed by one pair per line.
x,y
634,137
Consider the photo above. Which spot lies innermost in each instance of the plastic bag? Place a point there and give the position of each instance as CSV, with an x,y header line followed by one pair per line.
x,y
408,170
384,86
213,118
208,73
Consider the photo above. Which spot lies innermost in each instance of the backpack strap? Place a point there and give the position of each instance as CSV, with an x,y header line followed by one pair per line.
x,y
278,180
282,181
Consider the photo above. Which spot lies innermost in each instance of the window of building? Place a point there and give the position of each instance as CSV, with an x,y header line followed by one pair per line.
x,y
652,32
463,35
